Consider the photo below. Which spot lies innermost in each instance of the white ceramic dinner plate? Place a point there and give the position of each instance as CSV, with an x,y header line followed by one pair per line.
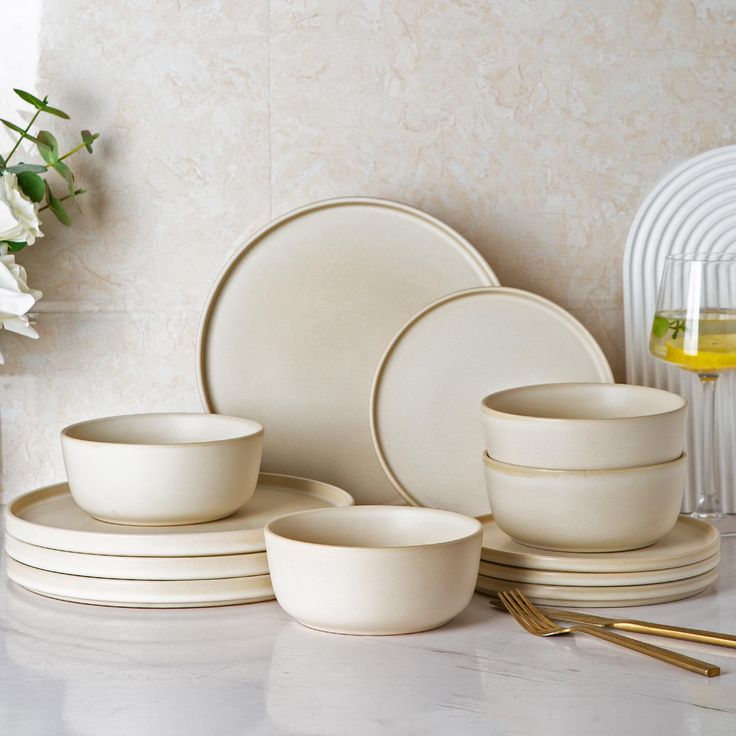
x,y
425,402
690,541
118,567
602,597
300,316
141,593
48,517
597,579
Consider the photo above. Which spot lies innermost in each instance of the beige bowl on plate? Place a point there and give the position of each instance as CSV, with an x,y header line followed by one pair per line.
x,y
162,469
586,510
374,569
585,426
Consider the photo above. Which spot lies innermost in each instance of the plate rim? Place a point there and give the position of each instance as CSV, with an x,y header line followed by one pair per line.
x,y
711,546
596,352
95,541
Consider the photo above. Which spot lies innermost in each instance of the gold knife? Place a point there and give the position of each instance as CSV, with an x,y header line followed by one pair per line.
x,y
639,627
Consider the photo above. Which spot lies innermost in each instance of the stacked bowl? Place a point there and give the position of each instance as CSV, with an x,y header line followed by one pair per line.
x,y
584,469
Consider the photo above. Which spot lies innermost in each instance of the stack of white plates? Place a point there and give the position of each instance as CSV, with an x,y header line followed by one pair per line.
x,y
682,564
56,549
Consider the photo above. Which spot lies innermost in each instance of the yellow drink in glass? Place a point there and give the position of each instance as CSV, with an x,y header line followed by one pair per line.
x,y
703,345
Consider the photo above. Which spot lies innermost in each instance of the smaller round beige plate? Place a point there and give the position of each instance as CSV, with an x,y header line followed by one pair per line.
x,y
141,593
206,567
49,518
689,542
598,597
597,579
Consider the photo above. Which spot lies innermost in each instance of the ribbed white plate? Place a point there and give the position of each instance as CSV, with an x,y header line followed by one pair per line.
x,y
299,318
205,567
690,208
597,597
141,593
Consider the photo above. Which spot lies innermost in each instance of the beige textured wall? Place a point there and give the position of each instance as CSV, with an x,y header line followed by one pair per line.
x,y
534,128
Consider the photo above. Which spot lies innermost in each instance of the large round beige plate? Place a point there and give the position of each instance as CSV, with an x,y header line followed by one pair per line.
x,y
300,316
597,579
206,567
141,593
49,518
425,403
596,597
689,542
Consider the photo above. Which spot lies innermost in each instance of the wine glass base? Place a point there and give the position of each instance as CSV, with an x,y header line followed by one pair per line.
x,y
725,523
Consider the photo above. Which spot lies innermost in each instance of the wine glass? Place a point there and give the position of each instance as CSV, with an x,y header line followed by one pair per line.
x,y
694,328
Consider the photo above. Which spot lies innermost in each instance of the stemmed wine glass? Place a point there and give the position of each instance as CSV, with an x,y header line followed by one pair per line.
x,y
694,328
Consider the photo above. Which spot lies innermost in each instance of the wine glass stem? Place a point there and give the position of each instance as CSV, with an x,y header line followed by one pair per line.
x,y
709,502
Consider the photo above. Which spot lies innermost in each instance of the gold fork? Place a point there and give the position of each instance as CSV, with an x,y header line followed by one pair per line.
x,y
535,622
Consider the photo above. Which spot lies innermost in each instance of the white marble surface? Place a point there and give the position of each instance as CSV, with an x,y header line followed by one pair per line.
x,y
73,669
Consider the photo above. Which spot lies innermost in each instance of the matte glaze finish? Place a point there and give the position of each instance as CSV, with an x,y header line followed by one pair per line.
x,y
374,569
205,567
597,579
424,405
586,510
298,319
162,469
584,426
690,541
141,593
48,517
603,597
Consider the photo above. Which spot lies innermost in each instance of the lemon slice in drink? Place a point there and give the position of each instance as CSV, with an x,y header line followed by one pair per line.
x,y
715,352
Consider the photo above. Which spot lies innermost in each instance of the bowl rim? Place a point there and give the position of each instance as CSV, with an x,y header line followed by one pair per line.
x,y
255,431
608,387
357,509
530,471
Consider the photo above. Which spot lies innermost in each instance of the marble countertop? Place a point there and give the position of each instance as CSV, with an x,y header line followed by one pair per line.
x,y
89,671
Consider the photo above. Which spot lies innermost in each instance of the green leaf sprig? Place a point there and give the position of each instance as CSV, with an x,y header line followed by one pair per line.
x,y
30,175
662,325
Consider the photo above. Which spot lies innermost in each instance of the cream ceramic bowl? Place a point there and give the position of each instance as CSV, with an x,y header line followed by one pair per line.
x,y
374,569
585,510
162,469
584,426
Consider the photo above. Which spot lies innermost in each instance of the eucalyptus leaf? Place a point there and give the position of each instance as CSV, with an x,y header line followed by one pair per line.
x,y
48,147
21,167
32,184
88,139
55,111
57,207
31,99
66,173
22,132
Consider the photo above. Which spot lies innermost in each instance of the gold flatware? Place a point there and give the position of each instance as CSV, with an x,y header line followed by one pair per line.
x,y
640,627
535,622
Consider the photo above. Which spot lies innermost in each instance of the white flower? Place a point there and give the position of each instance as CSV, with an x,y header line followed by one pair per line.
x,y
16,298
18,215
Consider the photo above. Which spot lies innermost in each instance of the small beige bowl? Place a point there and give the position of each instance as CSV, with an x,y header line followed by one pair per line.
x,y
162,469
374,569
586,510
584,426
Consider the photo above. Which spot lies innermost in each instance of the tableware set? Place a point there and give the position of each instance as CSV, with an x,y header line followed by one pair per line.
x,y
362,335
57,549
